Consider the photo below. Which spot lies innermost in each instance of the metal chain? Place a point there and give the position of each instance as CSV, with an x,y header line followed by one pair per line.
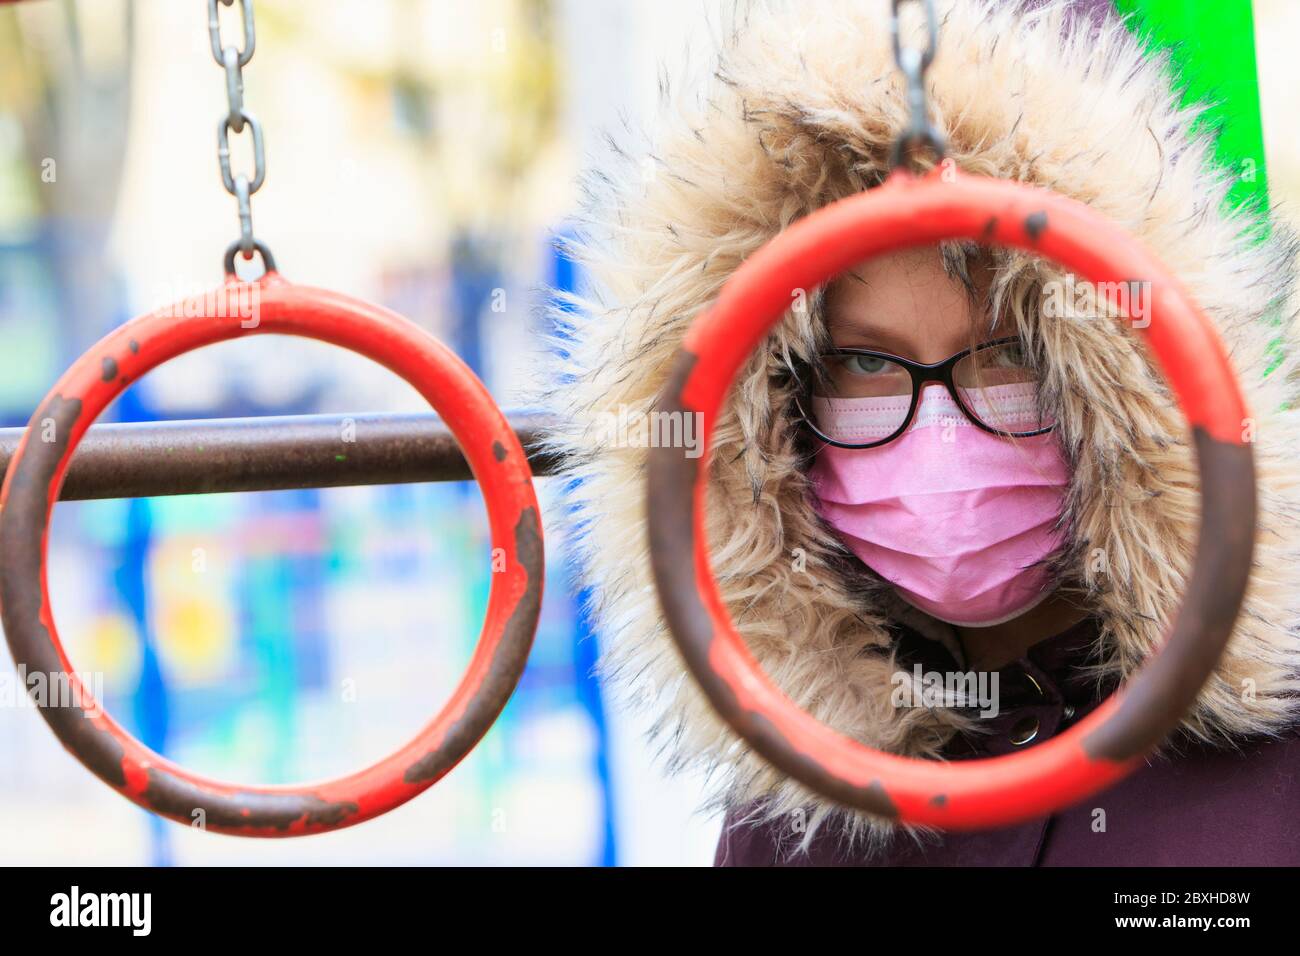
x,y
233,60
913,63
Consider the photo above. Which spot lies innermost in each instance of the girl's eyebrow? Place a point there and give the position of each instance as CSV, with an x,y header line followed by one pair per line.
x,y
863,335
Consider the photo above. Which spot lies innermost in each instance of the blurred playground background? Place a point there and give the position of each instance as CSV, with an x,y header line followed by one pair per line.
x,y
423,154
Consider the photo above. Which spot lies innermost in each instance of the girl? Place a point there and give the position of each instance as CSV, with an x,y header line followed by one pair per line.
x,y
1031,520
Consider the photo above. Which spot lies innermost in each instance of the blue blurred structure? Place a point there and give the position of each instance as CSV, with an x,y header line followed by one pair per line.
x,y
565,279
149,705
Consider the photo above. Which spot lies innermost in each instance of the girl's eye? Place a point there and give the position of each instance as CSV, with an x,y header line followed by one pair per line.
x,y
865,364
1010,355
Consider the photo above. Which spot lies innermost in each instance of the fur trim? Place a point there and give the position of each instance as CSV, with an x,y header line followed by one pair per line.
x,y
800,111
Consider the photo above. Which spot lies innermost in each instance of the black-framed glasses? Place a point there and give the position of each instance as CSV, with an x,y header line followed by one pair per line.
x,y
861,398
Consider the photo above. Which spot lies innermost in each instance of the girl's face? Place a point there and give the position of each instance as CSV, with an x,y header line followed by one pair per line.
x,y
907,304
959,521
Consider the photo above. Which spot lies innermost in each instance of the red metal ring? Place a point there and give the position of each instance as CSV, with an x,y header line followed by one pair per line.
x,y
272,306
904,212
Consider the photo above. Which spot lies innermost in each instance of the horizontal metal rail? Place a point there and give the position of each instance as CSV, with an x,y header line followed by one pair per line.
x,y
275,453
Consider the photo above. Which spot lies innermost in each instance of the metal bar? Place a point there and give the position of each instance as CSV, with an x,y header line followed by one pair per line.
x,y
138,460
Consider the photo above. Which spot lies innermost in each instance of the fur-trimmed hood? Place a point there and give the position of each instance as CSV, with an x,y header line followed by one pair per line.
x,y
800,110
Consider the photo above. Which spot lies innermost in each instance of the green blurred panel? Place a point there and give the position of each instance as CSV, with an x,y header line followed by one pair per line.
x,y
1212,43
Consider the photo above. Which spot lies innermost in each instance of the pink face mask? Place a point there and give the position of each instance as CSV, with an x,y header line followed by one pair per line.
x,y
958,520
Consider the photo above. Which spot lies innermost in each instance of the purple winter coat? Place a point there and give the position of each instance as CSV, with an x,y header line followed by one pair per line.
x,y
1196,805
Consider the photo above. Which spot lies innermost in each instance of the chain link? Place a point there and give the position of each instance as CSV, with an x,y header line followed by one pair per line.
x,y
233,60
913,63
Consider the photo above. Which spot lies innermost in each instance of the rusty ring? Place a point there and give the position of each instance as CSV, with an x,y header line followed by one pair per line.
x,y
1110,742
272,305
